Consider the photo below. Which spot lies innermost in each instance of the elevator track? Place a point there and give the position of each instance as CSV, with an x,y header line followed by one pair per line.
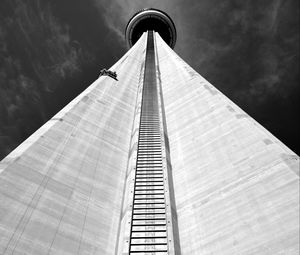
x,y
149,231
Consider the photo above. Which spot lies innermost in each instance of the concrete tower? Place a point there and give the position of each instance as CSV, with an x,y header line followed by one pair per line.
x,y
150,159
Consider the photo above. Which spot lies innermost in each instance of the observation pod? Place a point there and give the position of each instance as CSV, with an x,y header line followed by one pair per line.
x,y
147,20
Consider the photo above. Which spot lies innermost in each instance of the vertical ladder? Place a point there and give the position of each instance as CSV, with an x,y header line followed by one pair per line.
x,y
149,231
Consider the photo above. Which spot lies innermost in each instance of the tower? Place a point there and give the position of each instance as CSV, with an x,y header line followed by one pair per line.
x,y
150,159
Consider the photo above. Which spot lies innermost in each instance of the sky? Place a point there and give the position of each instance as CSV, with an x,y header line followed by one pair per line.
x,y
51,50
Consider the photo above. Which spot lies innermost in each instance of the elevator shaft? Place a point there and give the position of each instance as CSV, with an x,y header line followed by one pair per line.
x,y
150,233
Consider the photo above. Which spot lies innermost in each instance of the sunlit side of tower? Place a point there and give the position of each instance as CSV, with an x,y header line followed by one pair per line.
x,y
151,159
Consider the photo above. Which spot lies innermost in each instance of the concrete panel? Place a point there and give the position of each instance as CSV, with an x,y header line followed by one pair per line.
x,y
61,190
236,185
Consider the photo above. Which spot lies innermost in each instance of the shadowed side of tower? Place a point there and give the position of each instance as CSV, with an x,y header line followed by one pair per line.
x,y
236,185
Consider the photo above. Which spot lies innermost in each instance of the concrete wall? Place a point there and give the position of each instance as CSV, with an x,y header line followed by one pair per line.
x,y
236,185
61,190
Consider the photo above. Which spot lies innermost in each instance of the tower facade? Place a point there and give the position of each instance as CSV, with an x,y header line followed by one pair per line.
x,y
150,159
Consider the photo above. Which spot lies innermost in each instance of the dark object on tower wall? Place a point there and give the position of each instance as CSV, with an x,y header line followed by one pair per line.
x,y
108,73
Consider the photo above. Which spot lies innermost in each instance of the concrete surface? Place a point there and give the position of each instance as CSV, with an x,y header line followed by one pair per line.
x,y
236,185
61,190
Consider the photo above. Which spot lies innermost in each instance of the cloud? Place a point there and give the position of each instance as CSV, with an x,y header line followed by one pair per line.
x,y
36,55
49,52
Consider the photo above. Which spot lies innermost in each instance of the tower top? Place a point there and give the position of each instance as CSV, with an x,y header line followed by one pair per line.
x,y
150,19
